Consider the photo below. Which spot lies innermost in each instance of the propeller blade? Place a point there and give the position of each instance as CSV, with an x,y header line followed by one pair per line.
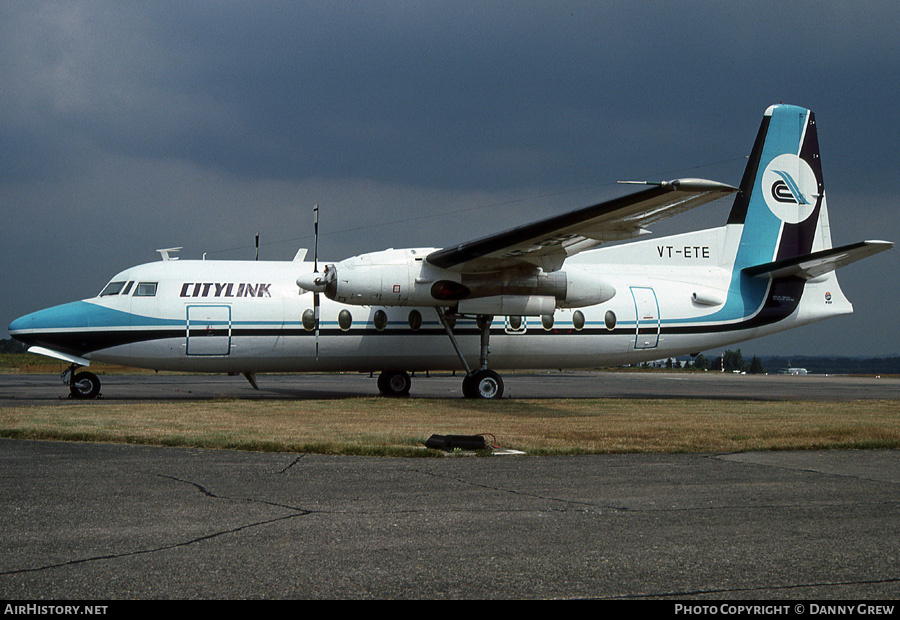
x,y
316,239
316,271
316,317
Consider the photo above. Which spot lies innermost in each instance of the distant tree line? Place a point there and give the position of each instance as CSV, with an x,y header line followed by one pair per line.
x,y
734,361
729,361
836,365
11,346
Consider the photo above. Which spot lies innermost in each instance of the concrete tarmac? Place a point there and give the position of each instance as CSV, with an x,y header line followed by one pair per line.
x,y
106,522
47,389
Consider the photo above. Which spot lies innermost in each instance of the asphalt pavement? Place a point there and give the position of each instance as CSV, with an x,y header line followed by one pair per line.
x,y
108,522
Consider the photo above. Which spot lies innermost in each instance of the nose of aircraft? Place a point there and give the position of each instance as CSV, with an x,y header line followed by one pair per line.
x,y
64,327
17,325
58,317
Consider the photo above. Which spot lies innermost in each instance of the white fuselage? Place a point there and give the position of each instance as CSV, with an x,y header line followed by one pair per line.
x,y
673,296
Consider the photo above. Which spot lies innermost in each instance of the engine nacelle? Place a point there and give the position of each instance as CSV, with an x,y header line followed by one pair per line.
x,y
403,278
583,288
387,278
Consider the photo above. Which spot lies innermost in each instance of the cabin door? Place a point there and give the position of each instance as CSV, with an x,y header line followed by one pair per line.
x,y
646,310
208,330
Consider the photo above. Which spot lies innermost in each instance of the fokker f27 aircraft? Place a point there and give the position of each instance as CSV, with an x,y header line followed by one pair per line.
x,y
543,295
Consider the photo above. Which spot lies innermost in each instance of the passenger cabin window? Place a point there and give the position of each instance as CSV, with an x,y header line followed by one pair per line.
x,y
113,288
145,289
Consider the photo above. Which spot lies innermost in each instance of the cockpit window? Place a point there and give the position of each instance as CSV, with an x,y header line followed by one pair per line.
x,y
113,288
145,289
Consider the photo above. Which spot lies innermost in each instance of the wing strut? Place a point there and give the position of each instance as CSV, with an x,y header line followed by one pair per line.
x,y
483,382
452,336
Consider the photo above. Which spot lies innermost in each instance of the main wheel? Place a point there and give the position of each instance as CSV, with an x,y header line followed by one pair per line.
x,y
85,385
485,384
394,383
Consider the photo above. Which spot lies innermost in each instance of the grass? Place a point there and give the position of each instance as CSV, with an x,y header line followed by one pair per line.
x,y
399,427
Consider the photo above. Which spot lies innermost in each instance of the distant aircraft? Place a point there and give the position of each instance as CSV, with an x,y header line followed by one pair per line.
x,y
542,295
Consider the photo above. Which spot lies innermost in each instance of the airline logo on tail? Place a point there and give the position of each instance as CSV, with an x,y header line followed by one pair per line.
x,y
790,188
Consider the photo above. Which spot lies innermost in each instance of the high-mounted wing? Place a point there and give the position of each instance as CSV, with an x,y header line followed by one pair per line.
x,y
548,242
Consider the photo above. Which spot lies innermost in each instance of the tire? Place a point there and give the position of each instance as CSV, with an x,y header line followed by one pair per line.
x,y
85,386
484,385
394,383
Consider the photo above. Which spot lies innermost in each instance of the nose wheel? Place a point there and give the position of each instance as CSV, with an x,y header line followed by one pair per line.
x,y
82,385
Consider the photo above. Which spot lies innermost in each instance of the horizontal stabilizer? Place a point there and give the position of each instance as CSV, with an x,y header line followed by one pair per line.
x,y
816,264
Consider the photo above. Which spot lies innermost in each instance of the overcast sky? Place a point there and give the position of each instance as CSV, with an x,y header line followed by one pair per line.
x,y
131,126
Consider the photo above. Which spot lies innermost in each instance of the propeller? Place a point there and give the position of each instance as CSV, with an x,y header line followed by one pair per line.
x,y
316,271
315,282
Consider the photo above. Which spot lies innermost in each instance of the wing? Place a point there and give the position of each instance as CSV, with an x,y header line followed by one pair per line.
x,y
548,242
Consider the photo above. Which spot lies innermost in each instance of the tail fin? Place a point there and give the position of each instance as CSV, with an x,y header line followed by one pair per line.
x,y
781,203
778,230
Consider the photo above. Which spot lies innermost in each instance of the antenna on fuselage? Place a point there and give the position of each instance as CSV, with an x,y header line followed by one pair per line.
x,y
257,246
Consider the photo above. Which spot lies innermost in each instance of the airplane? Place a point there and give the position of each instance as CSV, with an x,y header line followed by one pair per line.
x,y
541,295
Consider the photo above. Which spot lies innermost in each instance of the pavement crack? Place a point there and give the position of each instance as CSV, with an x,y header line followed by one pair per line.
x,y
292,463
584,505
734,457
208,493
295,513
127,554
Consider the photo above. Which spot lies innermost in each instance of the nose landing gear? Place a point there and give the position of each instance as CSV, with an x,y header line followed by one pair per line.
x,y
82,385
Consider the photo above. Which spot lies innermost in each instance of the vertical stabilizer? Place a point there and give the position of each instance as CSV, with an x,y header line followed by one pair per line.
x,y
781,203
778,216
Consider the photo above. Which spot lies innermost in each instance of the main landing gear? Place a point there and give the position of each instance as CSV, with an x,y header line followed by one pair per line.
x,y
82,385
394,383
480,383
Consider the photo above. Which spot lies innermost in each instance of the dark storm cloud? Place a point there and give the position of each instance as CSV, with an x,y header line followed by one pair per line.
x,y
429,93
131,126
